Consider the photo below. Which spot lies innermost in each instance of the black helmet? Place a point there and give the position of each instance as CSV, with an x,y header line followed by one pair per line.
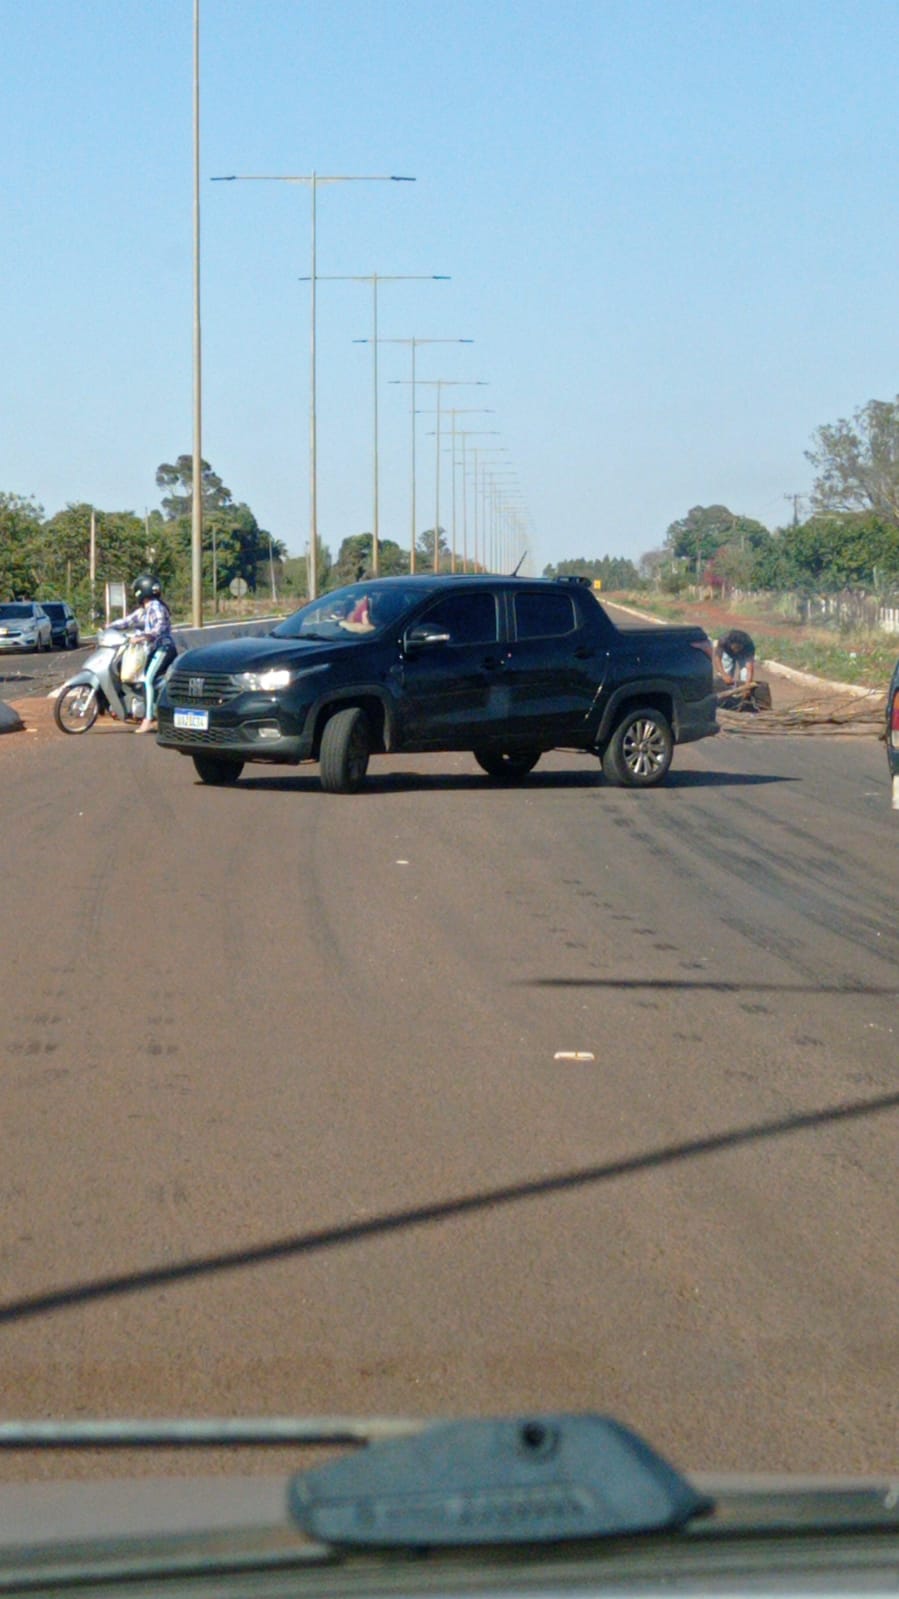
x,y
147,587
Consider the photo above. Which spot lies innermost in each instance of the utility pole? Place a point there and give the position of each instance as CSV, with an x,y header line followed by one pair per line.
x,y
794,500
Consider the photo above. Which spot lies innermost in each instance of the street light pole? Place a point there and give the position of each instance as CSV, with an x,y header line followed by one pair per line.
x,y
464,434
478,473
414,343
498,486
494,489
374,278
465,410
196,505
313,179
440,384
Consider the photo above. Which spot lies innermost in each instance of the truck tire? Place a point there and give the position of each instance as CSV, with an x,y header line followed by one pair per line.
x,y
639,752
217,770
508,767
345,749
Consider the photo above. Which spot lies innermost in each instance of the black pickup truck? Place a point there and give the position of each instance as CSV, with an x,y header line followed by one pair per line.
x,y
505,667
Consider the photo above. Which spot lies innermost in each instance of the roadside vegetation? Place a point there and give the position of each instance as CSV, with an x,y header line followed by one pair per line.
x,y
819,593
861,656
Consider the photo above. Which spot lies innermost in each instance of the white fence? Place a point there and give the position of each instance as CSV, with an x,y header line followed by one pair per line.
x,y
850,608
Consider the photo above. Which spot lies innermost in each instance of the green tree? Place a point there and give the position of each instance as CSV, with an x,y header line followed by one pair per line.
x,y
424,551
613,571
354,560
829,552
178,480
234,545
706,529
857,462
21,521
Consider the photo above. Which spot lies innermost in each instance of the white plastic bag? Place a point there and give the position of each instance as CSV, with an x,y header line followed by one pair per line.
x,y
134,659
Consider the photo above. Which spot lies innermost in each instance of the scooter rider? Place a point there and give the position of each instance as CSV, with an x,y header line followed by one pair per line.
x,y
153,621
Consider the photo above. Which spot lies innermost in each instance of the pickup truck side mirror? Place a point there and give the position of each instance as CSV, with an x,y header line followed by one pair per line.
x,y
425,633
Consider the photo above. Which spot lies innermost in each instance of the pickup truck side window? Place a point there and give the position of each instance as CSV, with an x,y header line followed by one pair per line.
x,y
467,618
544,615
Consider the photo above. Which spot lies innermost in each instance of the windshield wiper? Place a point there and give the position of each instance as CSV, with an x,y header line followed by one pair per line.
x,y
233,1432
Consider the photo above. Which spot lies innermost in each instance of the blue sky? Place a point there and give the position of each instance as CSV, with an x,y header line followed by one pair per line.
x,y
670,229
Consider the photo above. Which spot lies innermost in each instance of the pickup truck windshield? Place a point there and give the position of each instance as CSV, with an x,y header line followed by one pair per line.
x,y
358,608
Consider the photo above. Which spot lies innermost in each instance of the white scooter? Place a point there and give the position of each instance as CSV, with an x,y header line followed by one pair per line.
x,y
109,683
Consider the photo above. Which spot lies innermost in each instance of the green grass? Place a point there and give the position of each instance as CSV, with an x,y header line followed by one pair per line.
x,y
863,657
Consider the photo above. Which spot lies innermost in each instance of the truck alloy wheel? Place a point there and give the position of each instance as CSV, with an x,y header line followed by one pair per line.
x,y
640,749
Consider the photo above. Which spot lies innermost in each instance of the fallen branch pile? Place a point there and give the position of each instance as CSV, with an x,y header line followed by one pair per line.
x,y
823,715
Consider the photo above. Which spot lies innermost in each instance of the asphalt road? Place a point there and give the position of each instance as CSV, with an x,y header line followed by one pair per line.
x,y
237,1018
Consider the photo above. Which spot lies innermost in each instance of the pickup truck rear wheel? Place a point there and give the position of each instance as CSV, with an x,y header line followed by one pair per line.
x,y
508,766
640,749
345,749
217,771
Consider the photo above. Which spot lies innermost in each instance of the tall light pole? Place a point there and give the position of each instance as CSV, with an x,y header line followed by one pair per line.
x,y
454,411
414,343
479,454
465,434
440,384
374,278
196,503
497,483
313,179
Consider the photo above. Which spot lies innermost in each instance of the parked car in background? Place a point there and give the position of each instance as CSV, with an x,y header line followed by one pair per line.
x,y
63,623
892,734
24,626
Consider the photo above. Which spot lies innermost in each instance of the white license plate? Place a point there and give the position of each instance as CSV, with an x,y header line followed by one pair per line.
x,y
196,721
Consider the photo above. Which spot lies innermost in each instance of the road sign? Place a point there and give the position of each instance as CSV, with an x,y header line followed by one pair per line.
x,y
238,587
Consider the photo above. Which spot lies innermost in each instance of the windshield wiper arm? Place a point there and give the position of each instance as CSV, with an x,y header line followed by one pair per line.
x,y
204,1433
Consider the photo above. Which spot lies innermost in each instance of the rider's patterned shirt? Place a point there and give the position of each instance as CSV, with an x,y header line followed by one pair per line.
x,y
154,620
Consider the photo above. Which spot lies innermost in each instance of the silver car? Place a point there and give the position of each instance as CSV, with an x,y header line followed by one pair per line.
x,y
24,625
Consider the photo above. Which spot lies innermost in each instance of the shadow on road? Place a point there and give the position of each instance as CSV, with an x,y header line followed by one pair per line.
x,y
675,985
448,782
488,1199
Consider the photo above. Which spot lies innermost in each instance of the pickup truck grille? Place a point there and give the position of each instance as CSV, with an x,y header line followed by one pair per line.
x,y
191,737
201,688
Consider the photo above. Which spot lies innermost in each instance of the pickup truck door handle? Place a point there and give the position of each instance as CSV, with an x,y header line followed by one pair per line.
x,y
584,653
492,663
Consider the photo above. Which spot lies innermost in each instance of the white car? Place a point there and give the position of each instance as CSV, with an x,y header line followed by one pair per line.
x,y
24,625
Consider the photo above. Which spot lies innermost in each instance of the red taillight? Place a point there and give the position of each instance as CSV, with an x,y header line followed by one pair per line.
x,y
894,714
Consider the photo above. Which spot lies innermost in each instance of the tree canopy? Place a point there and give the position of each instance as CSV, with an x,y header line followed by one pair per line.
x,y
20,528
706,529
178,480
857,462
49,557
355,560
612,571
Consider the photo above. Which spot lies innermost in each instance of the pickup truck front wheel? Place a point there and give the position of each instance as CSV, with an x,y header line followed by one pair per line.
x,y
216,771
345,749
508,767
639,752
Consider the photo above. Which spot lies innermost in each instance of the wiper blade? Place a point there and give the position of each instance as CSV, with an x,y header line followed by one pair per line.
x,y
204,1433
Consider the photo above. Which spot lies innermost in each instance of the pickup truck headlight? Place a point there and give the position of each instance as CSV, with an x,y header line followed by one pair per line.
x,y
275,677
